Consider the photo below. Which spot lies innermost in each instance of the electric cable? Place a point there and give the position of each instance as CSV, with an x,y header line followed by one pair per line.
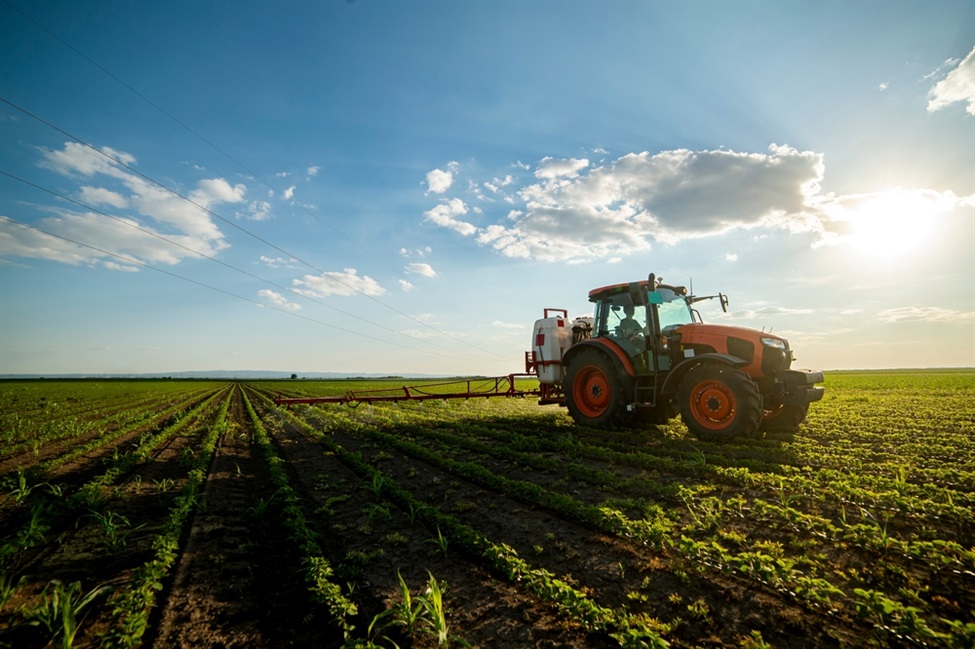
x,y
210,258
216,148
162,110
136,262
323,273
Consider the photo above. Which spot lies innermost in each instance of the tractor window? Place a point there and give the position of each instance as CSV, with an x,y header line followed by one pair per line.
x,y
618,318
674,310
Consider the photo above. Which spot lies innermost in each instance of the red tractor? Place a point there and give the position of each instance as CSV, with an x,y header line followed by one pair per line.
x,y
645,355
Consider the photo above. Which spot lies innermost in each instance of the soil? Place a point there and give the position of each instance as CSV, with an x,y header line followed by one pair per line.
x,y
238,581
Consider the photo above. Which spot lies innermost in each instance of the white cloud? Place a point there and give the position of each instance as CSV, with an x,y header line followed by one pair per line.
x,y
497,184
513,326
924,314
123,267
425,270
278,300
445,215
957,86
439,180
617,209
279,262
575,212
406,286
346,283
551,168
289,193
112,241
146,215
258,211
20,241
764,312
78,159
313,170
211,191
779,310
730,257
101,196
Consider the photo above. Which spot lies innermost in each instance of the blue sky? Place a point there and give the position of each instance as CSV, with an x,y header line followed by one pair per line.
x,y
403,187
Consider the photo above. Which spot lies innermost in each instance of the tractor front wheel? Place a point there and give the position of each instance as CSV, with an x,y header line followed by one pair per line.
x,y
784,418
595,393
720,402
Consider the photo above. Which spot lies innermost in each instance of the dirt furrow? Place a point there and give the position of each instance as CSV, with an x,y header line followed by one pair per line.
x,y
235,584
617,573
372,542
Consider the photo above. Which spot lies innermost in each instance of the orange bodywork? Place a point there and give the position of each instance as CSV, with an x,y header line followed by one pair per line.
x,y
617,351
717,336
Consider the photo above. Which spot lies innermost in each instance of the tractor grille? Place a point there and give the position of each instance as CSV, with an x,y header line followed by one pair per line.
x,y
741,348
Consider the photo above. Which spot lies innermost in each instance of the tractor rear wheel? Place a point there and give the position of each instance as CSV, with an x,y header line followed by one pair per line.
x,y
720,402
595,394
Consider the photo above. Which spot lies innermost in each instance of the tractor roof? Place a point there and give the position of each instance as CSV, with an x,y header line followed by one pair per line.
x,y
615,289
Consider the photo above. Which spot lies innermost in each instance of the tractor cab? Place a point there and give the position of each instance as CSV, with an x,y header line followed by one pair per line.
x,y
640,321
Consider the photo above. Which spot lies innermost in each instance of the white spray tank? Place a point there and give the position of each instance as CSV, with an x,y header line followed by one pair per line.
x,y
551,336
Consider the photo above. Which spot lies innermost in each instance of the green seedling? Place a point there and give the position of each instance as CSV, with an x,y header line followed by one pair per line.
x,y
378,484
440,541
436,614
260,509
60,612
8,587
378,509
115,527
23,489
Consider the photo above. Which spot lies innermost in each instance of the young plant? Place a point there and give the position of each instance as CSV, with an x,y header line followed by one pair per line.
x,y
377,485
8,586
260,509
436,614
378,509
440,541
405,614
115,527
60,611
22,490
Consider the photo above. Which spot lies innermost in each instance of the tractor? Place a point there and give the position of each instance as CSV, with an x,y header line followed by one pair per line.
x,y
646,356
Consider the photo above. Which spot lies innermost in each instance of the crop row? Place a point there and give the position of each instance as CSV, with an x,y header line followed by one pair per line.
x,y
574,604
127,519
883,548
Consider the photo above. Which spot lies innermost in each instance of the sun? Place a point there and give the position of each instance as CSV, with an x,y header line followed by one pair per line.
x,y
891,224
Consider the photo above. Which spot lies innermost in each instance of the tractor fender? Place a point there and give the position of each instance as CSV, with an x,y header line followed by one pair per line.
x,y
620,359
676,375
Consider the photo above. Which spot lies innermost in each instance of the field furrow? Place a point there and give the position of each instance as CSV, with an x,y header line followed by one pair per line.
x,y
201,514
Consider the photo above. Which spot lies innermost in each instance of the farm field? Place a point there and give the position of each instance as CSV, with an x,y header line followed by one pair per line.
x,y
198,513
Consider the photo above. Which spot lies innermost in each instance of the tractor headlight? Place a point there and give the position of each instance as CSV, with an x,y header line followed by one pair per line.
x,y
773,342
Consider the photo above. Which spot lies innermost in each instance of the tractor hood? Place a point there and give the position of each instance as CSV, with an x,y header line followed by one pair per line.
x,y
763,353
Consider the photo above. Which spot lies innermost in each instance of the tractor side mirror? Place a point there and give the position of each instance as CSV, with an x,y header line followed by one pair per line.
x,y
724,302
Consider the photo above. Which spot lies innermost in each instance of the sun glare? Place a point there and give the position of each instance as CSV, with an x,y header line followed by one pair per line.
x,y
891,224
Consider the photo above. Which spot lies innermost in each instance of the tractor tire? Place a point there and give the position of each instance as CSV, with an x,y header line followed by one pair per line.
x,y
595,393
784,418
719,402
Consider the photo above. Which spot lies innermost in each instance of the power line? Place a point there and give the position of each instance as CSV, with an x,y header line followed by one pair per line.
x,y
210,258
136,262
187,127
216,148
120,163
